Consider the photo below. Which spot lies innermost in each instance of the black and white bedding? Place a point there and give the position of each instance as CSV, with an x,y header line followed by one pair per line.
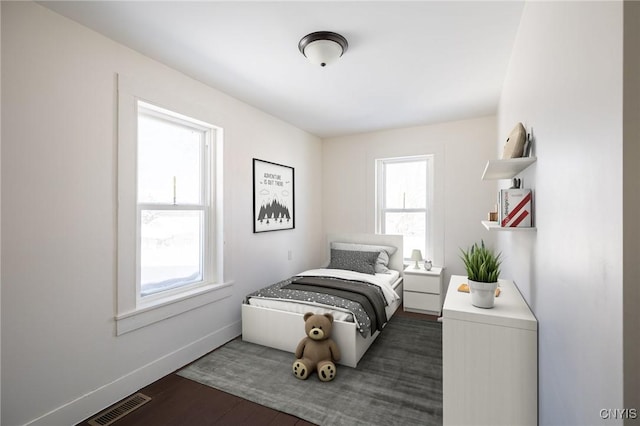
x,y
356,286
369,296
280,295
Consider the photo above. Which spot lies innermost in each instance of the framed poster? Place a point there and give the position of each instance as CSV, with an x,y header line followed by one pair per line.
x,y
273,196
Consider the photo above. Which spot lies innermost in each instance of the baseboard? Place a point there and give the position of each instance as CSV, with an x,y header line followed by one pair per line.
x,y
106,395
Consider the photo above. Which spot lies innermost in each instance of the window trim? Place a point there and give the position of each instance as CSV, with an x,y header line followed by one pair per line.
x,y
429,210
131,312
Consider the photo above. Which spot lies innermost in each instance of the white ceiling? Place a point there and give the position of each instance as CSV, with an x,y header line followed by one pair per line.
x,y
408,63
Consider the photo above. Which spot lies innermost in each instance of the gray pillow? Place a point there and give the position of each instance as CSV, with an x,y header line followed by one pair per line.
x,y
358,261
384,253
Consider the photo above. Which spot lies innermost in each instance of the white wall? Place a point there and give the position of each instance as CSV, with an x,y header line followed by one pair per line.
x,y
0,218
631,155
462,200
565,81
61,361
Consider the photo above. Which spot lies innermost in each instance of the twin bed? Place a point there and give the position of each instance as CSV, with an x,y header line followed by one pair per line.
x,y
361,287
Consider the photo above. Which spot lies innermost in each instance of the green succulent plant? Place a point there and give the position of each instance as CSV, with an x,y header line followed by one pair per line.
x,y
481,263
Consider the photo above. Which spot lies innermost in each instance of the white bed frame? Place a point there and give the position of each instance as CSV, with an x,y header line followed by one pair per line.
x,y
283,330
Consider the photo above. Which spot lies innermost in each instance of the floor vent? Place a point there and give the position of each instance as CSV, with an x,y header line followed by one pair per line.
x,y
119,410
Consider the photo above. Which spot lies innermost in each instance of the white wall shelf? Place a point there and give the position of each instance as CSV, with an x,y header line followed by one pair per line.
x,y
506,169
495,226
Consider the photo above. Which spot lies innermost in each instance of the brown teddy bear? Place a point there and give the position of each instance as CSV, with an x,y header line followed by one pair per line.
x,y
317,351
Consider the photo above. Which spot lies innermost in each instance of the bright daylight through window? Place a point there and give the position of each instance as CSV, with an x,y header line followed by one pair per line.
x,y
173,201
404,201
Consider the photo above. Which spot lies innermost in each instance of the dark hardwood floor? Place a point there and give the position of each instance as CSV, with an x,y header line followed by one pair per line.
x,y
177,401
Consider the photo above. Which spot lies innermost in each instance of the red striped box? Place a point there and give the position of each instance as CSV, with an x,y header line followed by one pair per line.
x,y
515,208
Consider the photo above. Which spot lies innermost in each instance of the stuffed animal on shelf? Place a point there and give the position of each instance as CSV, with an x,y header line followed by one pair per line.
x,y
317,351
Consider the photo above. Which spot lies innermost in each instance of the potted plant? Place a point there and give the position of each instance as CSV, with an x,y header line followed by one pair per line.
x,y
483,269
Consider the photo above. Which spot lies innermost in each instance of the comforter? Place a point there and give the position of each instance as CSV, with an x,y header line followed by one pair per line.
x,y
364,296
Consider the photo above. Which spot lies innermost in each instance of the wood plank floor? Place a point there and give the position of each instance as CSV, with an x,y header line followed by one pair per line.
x,y
177,401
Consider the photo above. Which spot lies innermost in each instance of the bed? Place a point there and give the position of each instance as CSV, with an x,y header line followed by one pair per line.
x,y
276,321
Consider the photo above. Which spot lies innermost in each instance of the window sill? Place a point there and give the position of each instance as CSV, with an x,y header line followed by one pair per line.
x,y
170,307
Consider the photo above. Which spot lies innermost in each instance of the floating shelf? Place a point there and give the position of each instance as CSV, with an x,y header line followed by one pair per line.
x,y
506,169
495,226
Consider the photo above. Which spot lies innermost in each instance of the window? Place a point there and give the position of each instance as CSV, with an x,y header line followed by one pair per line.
x,y
404,194
174,201
169,206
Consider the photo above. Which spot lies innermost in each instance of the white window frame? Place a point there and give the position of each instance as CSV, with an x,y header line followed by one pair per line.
x,y
381,195
207,250
134,311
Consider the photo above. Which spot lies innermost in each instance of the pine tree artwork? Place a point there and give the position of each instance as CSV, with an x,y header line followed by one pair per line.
x,y
273,196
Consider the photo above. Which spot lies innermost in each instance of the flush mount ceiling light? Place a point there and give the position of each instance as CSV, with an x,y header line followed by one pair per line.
x,y
323,47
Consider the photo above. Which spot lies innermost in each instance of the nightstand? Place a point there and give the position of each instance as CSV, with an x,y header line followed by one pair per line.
x,y
423,290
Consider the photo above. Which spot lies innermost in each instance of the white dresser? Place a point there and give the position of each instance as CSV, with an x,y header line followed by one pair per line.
x,y
422,290
489,359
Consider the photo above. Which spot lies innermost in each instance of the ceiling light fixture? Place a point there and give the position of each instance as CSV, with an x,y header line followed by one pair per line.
x,y
323,47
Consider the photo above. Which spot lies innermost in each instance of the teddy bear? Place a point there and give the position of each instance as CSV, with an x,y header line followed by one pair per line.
x,y
317,351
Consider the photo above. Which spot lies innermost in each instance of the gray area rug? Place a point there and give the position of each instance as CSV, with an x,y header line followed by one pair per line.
x,y
397,382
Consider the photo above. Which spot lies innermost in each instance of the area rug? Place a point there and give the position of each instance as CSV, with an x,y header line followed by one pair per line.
x,y
397,382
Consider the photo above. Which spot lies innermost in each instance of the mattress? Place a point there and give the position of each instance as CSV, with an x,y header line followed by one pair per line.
x,y
385,281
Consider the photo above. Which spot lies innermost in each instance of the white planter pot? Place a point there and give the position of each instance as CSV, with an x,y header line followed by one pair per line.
x,y
482,294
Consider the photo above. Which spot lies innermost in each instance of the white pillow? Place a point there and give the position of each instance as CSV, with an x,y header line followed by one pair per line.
x,y
385,252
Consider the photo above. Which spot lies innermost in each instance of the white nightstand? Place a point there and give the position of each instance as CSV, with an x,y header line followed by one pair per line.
x,y
423,290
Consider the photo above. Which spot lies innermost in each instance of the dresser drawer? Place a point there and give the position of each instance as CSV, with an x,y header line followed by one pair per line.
x,y
422,301
422,283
